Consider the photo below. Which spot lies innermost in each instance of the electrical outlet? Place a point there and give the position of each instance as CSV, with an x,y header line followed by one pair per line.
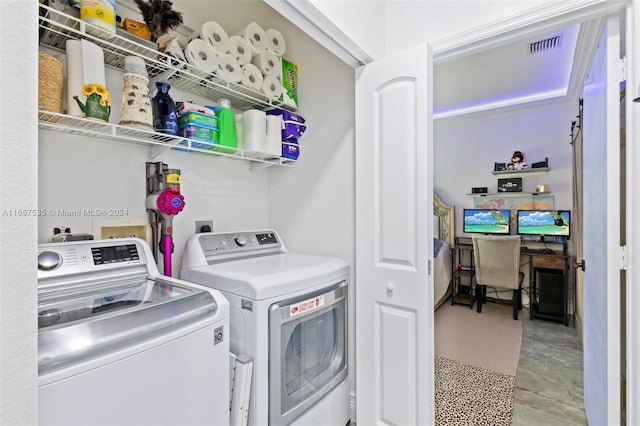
x,y
201,226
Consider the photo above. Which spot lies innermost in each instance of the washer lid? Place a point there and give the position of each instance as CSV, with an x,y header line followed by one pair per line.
x,y
263,277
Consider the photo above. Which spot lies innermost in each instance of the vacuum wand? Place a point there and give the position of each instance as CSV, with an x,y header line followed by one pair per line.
x,y
163,202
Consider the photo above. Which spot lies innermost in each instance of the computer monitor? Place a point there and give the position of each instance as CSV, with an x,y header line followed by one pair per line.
x,y
544,223
487,221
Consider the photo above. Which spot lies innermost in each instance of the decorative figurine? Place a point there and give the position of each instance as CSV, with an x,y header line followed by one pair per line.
x,y
517,161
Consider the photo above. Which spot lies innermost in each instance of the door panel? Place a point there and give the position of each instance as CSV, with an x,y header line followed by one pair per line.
x,y
394,309
601,232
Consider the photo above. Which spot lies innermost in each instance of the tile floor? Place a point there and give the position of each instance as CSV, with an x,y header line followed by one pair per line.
x,y
549,375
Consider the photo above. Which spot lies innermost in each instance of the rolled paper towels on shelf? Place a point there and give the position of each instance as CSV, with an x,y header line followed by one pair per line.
x,y
268,63
252,77
215,36
271,87
256,36
239,130
240,49
275,42
274,135
229,68
254,130
85,65
201,55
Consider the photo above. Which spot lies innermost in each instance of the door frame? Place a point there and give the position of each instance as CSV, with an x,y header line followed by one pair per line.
x,y
535,21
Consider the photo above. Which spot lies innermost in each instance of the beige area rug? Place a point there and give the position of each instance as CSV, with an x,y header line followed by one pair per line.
x,y
490,340
470,395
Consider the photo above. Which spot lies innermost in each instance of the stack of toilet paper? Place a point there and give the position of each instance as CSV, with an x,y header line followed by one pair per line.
x,y
253,57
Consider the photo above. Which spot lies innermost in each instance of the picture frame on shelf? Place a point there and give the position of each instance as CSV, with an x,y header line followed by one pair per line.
x,y
499,167
510,185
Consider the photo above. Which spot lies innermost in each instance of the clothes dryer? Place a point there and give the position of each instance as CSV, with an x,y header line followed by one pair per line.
x,y
289,313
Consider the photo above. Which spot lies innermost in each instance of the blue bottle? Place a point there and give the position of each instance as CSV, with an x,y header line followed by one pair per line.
x,y
165,116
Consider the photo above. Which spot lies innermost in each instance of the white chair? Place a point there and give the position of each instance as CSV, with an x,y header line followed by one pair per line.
x,y
497,264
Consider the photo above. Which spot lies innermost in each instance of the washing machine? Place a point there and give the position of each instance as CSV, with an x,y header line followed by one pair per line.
x,y
288,311
120,344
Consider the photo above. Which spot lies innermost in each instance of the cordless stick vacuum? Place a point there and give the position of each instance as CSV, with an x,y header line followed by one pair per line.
x,y
163,202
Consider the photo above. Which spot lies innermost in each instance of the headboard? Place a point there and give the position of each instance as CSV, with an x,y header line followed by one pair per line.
x,y
443,220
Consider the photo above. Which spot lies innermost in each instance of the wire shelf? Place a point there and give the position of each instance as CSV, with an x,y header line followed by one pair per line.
x,y
57,27
158,143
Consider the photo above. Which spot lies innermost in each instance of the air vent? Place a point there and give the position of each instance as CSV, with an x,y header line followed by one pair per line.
x,y
545,45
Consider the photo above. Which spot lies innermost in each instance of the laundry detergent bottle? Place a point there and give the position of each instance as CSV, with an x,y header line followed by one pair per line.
x,y
165,116
226,126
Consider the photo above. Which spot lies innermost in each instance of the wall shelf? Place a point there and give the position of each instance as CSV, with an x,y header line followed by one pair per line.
x,y
158,143
508,194
511,172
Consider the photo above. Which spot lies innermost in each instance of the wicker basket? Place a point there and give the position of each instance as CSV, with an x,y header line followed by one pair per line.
x,y
50,80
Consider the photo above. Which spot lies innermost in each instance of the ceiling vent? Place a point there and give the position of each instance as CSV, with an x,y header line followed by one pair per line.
x,y
545,45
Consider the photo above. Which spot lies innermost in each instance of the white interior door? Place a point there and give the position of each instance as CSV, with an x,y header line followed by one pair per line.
x,y
601,231
394,246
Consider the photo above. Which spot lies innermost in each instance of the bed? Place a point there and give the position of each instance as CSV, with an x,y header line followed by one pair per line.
x,y
443,240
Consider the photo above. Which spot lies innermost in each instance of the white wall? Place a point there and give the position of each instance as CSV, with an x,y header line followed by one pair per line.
x,y
465,152
18,186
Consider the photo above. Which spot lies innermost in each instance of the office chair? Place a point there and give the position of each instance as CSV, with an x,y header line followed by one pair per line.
x,y
497,264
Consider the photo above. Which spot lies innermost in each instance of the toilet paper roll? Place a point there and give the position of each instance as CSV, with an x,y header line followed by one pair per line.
x,y
267,62
274,135
256,36
271,87
275,42
229,68
254,130
240,49
85,65
252,77
215,36
201,55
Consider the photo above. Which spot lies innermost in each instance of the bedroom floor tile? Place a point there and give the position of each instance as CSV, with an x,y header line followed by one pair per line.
x,y
549,381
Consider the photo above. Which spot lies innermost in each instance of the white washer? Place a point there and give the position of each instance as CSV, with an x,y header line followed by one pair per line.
x,y
118,343
289,313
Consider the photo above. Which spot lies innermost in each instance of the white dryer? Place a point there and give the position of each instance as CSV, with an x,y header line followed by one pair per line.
x,y
289,313
118,343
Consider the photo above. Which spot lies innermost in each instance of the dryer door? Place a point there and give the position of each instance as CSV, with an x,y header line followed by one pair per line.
x,y
307,350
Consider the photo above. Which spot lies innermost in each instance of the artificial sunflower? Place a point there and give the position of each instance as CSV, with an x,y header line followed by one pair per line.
x,y
87,89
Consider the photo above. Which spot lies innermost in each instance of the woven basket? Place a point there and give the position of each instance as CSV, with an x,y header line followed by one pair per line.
x,y
50,80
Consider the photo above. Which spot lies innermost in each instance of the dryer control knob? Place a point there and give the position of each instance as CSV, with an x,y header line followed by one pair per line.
x,y
48,260
241,241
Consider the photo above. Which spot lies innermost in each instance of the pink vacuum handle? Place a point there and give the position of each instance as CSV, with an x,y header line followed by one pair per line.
x,y
166,246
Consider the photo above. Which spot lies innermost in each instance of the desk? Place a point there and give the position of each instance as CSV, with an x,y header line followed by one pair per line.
x,y
548,286
548,282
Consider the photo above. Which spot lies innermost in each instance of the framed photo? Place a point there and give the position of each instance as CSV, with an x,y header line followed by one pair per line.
x,y
498,167
510,185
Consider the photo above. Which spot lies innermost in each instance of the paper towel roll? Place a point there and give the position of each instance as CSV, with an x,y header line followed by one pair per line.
x,y
254,130
268,63
252,77
229,68
274,135
85,65
275,42
240,49
201,55
271,87
256,36
215,36
239,130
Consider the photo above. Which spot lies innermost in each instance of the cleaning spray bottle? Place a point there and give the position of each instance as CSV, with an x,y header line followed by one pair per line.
x,y
227,139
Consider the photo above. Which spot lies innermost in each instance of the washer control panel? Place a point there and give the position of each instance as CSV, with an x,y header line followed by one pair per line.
x,y
84,257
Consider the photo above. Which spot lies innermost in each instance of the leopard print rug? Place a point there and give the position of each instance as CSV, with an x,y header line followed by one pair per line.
x,y
469,395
